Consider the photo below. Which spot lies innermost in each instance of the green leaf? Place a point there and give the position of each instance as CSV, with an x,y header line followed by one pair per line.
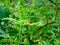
x,y
26,42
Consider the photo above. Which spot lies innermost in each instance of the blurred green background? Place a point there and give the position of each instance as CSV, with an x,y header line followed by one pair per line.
x,y
29,22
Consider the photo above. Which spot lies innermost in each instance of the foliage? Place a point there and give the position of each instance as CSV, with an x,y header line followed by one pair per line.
x,y
29,22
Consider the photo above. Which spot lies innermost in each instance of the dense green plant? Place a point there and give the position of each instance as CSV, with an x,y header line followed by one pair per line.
x,y
29,22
